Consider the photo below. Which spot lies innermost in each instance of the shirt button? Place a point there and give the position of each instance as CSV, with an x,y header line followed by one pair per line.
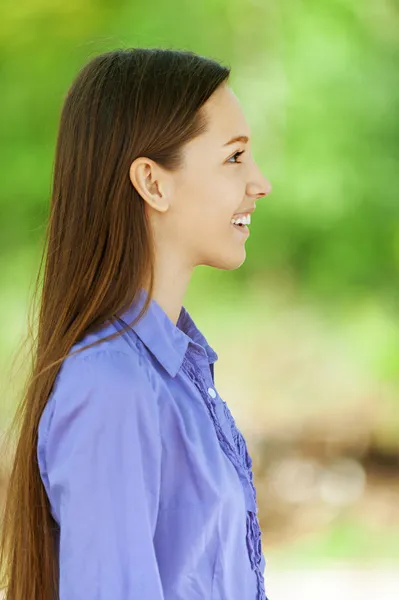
x,y
212,392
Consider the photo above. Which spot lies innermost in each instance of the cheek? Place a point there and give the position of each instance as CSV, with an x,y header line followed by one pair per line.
x,y
205,207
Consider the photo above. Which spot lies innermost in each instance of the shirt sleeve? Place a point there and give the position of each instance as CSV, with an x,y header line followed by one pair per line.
x,y
103,460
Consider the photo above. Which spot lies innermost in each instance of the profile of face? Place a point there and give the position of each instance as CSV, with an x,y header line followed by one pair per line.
x,y
191,210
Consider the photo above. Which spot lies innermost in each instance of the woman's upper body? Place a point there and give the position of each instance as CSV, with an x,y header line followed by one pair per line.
x,y
147,475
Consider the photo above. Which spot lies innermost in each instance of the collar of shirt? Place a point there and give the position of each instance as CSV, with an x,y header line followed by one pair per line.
x,y
167,342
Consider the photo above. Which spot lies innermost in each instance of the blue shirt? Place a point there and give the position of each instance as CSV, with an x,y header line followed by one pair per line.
x,y
148,477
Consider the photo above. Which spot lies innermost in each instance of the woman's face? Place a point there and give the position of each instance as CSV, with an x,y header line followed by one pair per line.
x,y
191,209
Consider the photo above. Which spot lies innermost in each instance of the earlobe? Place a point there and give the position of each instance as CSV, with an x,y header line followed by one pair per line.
x,y
143,175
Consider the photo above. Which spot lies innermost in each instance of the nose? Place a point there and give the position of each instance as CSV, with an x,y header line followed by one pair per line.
x,y
260,186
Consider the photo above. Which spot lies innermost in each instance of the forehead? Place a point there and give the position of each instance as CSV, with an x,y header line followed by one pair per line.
x,y
225,115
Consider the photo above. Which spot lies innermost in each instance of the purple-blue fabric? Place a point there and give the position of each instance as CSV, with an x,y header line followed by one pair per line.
x,y
148,477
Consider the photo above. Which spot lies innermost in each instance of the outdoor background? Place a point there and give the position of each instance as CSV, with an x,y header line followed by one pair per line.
x,y
307,329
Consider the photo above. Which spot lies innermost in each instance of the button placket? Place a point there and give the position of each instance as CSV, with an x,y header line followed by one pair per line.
x,y
238,455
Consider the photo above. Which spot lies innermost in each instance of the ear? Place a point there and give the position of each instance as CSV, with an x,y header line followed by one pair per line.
x,y
151,182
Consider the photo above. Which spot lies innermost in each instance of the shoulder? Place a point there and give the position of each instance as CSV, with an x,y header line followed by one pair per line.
x,y
107,387
104,402
106,377
103,368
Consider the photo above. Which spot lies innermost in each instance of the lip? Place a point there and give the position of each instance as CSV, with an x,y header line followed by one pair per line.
x,y
244,230
244,212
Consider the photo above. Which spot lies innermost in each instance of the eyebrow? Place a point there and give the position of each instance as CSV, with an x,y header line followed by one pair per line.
x,y
238,138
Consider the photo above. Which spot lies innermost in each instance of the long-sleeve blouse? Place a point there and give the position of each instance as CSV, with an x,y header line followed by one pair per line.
x,y
148,477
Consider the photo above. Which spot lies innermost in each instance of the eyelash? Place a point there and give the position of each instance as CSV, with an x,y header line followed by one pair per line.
x,y
234,155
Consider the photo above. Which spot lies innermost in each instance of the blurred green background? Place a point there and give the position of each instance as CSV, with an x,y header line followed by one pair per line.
x,y
307,329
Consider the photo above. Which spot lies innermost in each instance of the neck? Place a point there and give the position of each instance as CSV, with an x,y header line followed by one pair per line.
x,y
170,286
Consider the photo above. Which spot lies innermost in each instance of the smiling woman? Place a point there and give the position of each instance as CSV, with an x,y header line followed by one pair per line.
x,y
130,477
190,209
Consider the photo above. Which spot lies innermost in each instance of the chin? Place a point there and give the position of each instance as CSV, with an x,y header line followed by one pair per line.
x,y
228,263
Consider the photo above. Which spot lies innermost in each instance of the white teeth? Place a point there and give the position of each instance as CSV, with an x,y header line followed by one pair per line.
x,y
246,220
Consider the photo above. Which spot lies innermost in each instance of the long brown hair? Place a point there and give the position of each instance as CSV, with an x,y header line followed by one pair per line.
x,y
98,252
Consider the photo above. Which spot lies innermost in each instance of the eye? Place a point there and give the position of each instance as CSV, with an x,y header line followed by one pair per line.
x,y
236,155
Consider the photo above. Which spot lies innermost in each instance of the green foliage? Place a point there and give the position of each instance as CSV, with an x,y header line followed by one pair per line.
x,y
320,86
346,539
319,81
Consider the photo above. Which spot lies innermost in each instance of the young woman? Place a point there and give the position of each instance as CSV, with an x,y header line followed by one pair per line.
x,y
130,479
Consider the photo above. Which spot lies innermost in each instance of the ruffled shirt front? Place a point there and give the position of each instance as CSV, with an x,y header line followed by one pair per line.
x,y
148,477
